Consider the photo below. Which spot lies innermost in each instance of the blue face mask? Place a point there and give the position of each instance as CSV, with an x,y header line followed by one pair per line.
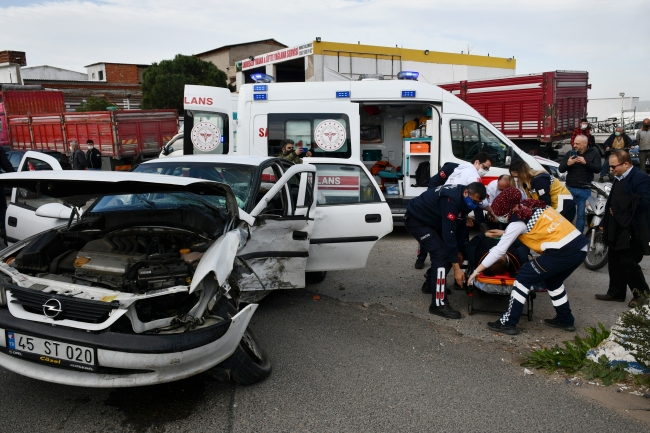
x,y
617,133
469,204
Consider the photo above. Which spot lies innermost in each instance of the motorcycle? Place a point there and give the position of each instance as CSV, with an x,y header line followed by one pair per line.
x,y
595,212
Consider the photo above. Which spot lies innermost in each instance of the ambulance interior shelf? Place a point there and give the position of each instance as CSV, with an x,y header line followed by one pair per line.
x,y
416,151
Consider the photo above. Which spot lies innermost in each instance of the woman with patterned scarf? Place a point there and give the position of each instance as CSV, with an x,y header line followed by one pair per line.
x,y
542,229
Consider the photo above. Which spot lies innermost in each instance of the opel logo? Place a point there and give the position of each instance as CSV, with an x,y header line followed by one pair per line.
x,y
52,308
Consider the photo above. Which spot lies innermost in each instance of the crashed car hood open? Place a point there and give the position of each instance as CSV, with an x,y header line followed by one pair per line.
x,y
78,187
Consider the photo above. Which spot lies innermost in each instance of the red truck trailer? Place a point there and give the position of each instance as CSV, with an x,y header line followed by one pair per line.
x,y
37,120
535,111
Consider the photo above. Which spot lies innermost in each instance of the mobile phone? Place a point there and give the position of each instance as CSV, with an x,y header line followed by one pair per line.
x,y
573,153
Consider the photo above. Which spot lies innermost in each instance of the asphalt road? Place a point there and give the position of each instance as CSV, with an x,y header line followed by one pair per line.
x,y
366,356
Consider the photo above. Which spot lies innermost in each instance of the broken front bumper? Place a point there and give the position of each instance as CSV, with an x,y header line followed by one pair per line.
x,y
125,360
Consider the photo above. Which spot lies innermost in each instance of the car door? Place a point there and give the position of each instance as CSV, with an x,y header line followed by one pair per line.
x,y
351,216
278,244
21,220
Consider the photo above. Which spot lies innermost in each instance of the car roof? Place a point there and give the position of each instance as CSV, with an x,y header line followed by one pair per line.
x,y
229,159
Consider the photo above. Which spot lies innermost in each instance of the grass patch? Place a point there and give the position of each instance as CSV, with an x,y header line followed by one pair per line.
x,y
573,358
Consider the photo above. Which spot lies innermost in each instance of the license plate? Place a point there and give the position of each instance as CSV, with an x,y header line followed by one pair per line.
x,y
51,352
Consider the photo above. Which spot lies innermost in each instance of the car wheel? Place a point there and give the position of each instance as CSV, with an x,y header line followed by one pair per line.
x,y
315,277
250,363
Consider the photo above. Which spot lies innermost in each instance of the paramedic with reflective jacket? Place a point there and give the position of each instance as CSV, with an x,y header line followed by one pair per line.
x,y
436,218
562,248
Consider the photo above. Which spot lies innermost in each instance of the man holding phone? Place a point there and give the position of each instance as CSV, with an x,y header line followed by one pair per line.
x,y
291,153
581,163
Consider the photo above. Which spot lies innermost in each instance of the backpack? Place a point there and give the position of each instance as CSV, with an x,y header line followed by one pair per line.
x,y
423,174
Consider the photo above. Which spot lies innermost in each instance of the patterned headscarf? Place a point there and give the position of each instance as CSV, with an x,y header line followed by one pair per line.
x,y
509,202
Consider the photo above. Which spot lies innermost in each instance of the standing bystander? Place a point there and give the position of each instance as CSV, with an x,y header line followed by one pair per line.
x,y
617,141
627,230
77,157
581,164
93,156
643,140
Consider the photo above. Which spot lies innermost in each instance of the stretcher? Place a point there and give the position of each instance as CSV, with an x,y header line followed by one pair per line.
x,y
495,285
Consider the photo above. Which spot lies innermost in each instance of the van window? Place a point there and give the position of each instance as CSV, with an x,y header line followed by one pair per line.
x,y
323,134
205,132
469,138
344,184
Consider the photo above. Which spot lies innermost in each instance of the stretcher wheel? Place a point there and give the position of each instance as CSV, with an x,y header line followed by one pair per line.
x,y
529,306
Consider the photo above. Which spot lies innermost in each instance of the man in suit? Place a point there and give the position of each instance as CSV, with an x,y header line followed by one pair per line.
x,y
626,230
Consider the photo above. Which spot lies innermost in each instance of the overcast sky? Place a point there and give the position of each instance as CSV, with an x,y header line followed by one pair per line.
x,y
608,39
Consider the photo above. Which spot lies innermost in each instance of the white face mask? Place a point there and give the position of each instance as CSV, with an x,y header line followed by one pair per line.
x,y
584,126
90,147
502,219
482,172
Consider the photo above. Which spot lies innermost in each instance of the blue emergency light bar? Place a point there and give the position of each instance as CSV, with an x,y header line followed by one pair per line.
x,y
259,96
408,75
262,78
260,88
408,93
343,94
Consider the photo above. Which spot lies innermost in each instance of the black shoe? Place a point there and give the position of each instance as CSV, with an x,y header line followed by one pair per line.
x,y
419,264
426,288
445,311
555,323
499,327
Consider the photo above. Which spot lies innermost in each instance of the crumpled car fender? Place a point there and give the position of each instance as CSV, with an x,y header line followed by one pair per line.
x,y
219,259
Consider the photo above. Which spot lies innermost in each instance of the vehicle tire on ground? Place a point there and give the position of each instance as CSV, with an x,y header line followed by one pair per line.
x,y
250,363
597,256
315,277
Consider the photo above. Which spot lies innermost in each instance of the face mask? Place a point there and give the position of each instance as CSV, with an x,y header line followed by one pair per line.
x,y
502,219
91,147
482,172
617,133
469,204
583,126
646,125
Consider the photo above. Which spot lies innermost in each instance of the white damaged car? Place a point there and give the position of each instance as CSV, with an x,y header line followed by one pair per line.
x,y
151,283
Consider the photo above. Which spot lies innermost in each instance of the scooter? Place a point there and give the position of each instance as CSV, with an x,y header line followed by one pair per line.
x,y
595,212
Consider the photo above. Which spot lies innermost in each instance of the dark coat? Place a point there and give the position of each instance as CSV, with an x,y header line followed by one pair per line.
x,y
441,177
94,158
444,210
78,160
636,184
581,175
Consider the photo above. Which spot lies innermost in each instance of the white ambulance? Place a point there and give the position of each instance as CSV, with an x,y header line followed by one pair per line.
x,y
354,120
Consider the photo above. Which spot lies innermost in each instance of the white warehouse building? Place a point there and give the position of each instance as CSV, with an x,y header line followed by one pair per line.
x,y
333,61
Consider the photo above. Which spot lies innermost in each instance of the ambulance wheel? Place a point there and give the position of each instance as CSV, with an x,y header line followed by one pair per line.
x,y
315,277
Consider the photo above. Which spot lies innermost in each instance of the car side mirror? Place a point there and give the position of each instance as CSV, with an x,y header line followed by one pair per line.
x,y
508,160
54,210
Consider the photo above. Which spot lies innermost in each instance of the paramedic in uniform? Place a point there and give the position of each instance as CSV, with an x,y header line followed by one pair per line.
x,y
436,218
465,174
539,185
562,247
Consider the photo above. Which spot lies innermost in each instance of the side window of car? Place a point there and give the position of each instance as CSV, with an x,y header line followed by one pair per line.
x,y
278,205
32,200
15,160
469,138
344,184
33,164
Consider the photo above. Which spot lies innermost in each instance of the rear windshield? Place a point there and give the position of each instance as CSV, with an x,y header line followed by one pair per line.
x,y
238,177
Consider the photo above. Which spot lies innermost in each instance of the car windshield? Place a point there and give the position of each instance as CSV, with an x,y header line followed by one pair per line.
x,y
238,177
212,204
